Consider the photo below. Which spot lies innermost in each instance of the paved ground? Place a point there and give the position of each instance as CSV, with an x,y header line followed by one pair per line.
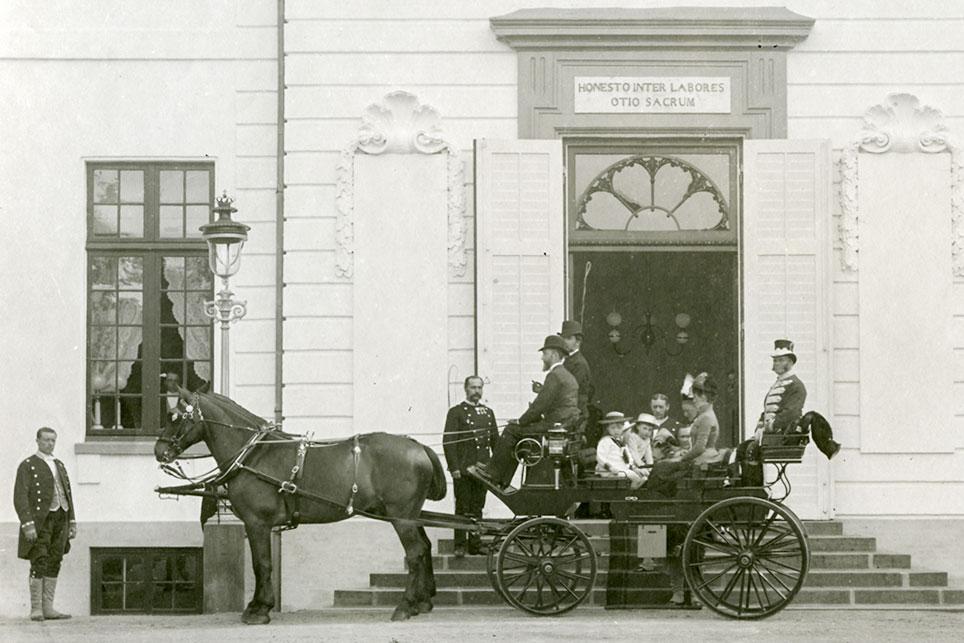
x,y
481,624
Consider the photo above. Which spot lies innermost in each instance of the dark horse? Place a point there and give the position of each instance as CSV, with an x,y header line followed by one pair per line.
x,y
392,475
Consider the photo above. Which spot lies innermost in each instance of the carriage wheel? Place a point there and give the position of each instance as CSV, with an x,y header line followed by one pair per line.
x,y
746,558
545,566
492,560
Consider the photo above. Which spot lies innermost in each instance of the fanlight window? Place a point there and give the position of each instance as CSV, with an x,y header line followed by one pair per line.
x,y
652,193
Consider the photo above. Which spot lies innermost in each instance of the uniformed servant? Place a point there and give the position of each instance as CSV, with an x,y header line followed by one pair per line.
x,y
470,433
556,403
45,506
782,409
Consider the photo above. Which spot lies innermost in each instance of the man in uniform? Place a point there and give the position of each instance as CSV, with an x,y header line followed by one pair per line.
x,y
556,403
782,409
45,506
470,432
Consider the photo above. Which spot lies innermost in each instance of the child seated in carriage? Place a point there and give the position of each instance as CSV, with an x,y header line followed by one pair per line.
x,y
612,455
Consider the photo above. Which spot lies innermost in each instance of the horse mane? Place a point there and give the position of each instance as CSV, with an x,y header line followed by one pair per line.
x,y
229,406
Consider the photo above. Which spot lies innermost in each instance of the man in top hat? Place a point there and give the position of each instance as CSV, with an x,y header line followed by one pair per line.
x,y
470,431
576,364
45,506
556,403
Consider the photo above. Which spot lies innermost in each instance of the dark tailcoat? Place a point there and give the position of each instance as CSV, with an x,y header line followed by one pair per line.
x,y
557,401
33,492
470,431
577,365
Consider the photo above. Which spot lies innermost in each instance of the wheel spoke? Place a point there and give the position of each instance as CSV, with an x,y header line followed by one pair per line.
x,y
719,532
572,575
714,546
764,579
566,546
716,560
770,544
509,580
774,577
734,522
744,593
793,569
567,587
518,558
765,528
764,605
573,558
717,577
729,586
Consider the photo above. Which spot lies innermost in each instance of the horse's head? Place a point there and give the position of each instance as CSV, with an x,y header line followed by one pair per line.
x,y
184,427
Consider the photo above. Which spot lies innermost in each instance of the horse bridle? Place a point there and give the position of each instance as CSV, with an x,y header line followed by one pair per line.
x,y
191,412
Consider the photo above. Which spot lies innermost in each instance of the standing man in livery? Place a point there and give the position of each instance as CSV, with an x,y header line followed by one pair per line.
x,y
556,403
470,433
45,506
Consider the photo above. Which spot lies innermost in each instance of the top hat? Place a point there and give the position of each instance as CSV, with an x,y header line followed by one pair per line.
x,y
613,417
783,348
556,342
571,328
646,418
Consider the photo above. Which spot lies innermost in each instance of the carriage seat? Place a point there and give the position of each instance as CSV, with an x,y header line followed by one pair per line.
x,y
589,478
782,448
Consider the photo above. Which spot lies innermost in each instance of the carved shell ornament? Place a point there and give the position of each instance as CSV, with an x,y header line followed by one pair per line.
x,y
900,125
400,124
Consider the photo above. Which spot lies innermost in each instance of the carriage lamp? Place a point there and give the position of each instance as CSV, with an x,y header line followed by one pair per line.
x,y
225,238
648,332
556,449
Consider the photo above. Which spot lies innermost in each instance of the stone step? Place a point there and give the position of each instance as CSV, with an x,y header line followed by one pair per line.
x,y
842,544
815,578
390,597
806,598
823,527
599,543
822,560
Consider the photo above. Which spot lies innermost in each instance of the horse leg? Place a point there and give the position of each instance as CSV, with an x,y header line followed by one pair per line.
x,y
428,581
415,552
259,540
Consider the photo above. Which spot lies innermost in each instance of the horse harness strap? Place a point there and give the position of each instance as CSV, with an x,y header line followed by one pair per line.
x,y
291,491
289,487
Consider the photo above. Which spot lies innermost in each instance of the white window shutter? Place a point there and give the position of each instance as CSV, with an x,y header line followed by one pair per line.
x,y
786,268
520,264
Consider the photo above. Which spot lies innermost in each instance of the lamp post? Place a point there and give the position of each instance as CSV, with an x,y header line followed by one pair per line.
x,y
225,239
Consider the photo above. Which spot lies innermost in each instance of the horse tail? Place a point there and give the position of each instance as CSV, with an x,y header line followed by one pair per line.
x,y
437,489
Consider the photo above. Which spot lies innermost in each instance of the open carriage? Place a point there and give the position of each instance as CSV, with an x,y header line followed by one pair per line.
x,y
743,553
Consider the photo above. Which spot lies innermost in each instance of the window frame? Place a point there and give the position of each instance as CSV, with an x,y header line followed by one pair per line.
x,y
662,147
99,554
151,247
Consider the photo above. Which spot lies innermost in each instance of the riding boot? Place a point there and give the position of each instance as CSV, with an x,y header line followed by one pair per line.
x,y
36,599
50,587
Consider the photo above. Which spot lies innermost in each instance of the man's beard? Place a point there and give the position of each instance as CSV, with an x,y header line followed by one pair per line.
x,y
474,397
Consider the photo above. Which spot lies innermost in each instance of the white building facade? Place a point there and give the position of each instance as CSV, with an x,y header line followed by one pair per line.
x,y
432,187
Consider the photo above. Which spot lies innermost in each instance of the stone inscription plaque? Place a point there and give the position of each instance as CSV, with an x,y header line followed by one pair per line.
x,y
652,95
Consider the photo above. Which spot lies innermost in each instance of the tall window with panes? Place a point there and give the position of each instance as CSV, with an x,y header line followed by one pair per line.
x,y
148,279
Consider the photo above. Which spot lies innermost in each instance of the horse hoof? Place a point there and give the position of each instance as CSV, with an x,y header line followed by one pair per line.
x,y
424,607
255,618
401,614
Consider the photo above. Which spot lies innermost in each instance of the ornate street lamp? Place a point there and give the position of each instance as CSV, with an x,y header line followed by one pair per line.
x,y
225,239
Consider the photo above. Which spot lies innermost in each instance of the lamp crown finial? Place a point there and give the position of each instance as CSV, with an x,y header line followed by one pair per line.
x,y
224,201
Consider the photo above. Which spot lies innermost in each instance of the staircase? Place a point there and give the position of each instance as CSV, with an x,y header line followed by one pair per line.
x,y
845,572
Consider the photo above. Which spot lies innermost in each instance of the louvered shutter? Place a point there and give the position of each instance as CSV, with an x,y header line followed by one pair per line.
x,y
520,264
786,253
